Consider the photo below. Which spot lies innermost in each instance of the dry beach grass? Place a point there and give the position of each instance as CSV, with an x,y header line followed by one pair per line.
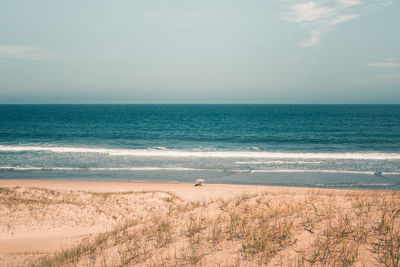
x,y
44,223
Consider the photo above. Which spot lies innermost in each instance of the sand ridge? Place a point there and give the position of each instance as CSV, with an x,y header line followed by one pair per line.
x,y
179,224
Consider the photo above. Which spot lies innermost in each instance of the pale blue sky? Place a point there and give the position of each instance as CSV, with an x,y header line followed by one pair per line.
x,y
204,51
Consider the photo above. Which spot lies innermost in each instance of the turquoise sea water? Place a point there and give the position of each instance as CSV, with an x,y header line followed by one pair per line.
x,y
299,145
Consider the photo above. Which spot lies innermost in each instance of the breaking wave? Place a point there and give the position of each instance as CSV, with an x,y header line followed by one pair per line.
x,y
17,168
154,152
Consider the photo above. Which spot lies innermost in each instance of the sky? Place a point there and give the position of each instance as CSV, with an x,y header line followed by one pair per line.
x,y
203,51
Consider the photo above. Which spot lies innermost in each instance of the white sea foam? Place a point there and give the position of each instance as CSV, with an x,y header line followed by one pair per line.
x,y
206,154
322,171
347,184
12,168
277,162
149,169
17,168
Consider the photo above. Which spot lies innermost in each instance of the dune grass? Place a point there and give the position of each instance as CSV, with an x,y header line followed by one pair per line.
x,y
316,228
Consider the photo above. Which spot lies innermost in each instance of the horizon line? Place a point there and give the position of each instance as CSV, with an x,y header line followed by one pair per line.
x,y
199,103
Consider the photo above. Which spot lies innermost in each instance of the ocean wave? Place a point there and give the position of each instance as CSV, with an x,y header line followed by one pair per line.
x,y
311,171
152,152
277,162
323,171
29,168
11,168
354,184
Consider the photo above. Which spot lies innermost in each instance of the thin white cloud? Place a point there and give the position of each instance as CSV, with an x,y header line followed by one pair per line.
x,y
348,3
390,76
24,52
389,72
343,18
307,12
312,40
323,16
388,3
386,64
315,35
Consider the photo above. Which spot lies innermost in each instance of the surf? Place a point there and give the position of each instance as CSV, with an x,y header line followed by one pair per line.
x,y
172,153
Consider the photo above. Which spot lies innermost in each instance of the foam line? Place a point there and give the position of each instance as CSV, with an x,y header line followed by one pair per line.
x,y
323,171
206,154
277,162
11,168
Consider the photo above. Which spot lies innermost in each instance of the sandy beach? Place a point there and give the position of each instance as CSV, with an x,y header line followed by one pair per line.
x,y
52,223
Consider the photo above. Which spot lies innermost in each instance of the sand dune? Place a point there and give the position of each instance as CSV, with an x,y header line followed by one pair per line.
x,y
53,223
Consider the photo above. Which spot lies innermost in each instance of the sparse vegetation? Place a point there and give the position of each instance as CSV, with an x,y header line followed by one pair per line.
x,y
317,227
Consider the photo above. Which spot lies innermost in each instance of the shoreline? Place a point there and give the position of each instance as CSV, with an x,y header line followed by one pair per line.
x,y
101,185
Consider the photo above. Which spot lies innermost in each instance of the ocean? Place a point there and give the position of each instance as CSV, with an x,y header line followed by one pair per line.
x,y
334,146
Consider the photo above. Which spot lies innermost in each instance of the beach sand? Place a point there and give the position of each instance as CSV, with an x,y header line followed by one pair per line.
x,y
45,222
